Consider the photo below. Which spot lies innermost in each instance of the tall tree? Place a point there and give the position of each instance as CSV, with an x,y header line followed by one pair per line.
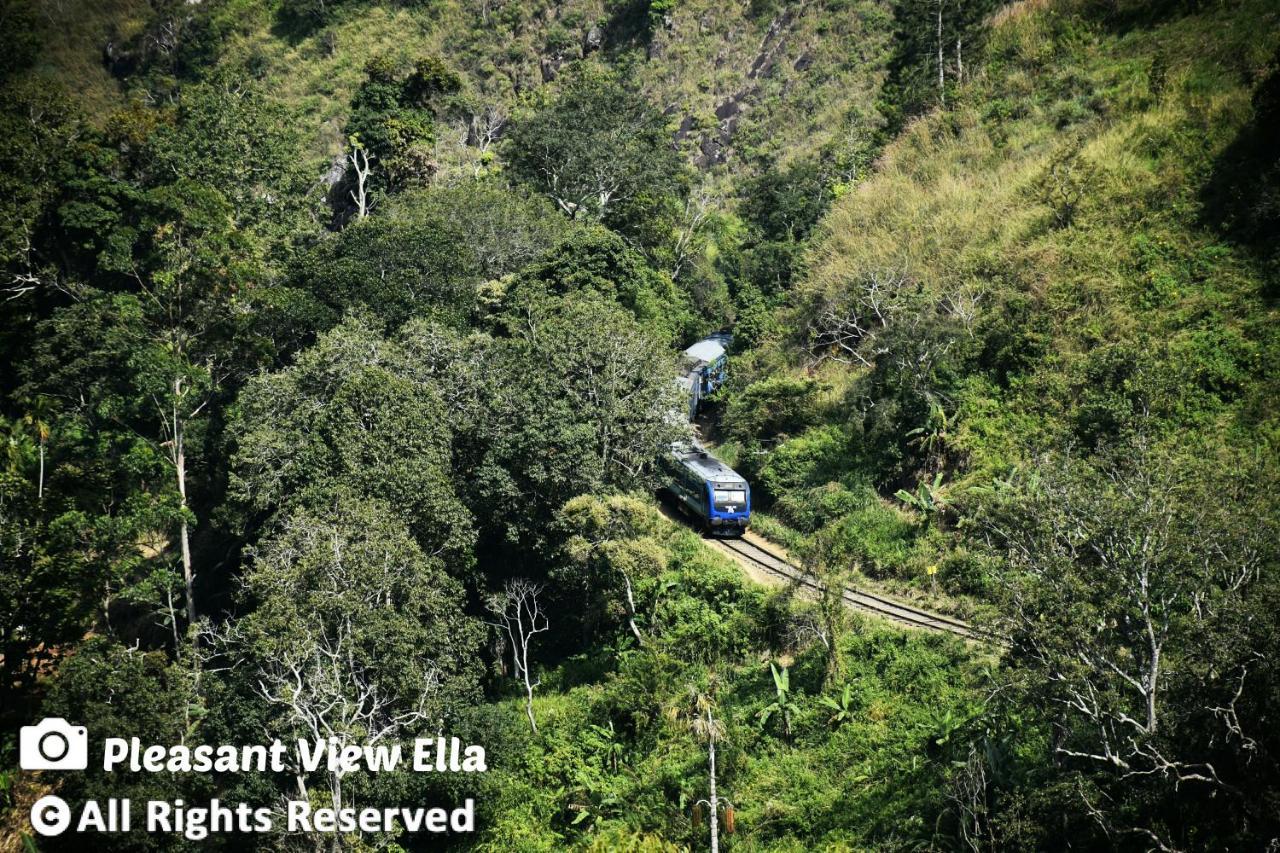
x,y
354,632
186,306
521,617
1134,598
351,414
599,150
584,403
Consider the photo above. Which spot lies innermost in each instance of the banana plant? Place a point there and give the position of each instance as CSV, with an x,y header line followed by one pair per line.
x,y
932,436
842,709
604,741
783,705
927,500
1000,485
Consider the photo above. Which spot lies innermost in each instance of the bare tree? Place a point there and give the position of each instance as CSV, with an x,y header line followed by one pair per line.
x,y
328,693
845,326
805,628
963,304
697,209
968,793
521,618
942,80
360,158
485,129
1122,587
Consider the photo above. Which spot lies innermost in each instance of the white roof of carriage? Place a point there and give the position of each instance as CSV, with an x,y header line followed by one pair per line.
x,y
707,350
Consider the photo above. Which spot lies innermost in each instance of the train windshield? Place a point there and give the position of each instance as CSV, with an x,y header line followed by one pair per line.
x,y
730,500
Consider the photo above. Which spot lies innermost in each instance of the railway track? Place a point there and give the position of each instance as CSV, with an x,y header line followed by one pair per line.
x,y
887,608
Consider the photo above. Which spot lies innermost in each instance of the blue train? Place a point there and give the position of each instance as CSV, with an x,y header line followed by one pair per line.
x,y
702,369
709,489
705,486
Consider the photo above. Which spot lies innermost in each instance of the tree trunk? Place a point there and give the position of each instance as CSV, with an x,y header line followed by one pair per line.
x,y
180,467
528,705
360,195
942,80
631,611
1151,688
715,803
40,488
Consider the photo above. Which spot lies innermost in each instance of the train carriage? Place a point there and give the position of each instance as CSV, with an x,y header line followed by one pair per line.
x,y
709,489
702,369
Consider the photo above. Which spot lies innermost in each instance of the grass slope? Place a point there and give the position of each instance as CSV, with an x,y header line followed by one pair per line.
x,y
1069,216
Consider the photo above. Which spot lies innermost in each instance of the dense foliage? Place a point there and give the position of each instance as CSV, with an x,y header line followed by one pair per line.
x,y
332,332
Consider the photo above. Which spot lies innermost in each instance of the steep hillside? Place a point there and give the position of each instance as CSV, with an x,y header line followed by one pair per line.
x,y
338,343
1068,256
738,81
1033,364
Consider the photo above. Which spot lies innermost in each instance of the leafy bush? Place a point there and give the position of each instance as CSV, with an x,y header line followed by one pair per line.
x,y
811,458
773,407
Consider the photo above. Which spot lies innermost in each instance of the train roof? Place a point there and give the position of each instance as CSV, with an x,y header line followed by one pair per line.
x,y
704,464
708,349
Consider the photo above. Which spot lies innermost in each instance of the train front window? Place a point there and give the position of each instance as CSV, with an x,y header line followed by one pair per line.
x,y
730,500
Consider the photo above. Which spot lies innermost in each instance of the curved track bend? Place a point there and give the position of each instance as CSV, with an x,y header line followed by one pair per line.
x,y
887,608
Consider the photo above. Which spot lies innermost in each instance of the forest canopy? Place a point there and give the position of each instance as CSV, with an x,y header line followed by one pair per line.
x,y
339,346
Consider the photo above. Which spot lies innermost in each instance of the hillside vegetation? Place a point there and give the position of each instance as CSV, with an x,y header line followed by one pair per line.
x,y
338,342
1046,330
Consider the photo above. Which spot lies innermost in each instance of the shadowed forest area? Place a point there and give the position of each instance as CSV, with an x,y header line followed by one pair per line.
x,y
338,342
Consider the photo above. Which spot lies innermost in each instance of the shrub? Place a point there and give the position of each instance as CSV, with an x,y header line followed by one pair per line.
x,y
779,405
810,509
808,459
877,537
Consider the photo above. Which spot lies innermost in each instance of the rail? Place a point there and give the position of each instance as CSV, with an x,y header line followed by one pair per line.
x,y
869,602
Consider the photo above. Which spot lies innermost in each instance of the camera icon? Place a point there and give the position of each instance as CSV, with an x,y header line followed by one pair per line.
x,y
53,744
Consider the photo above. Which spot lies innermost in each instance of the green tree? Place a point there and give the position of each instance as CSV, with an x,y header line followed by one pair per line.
x,y
585,405
833,571
112,689
417,262
153,359
227,135
350,415
354,631
938,45
393,122
595,260
186,315
613,539
598,150
781,206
